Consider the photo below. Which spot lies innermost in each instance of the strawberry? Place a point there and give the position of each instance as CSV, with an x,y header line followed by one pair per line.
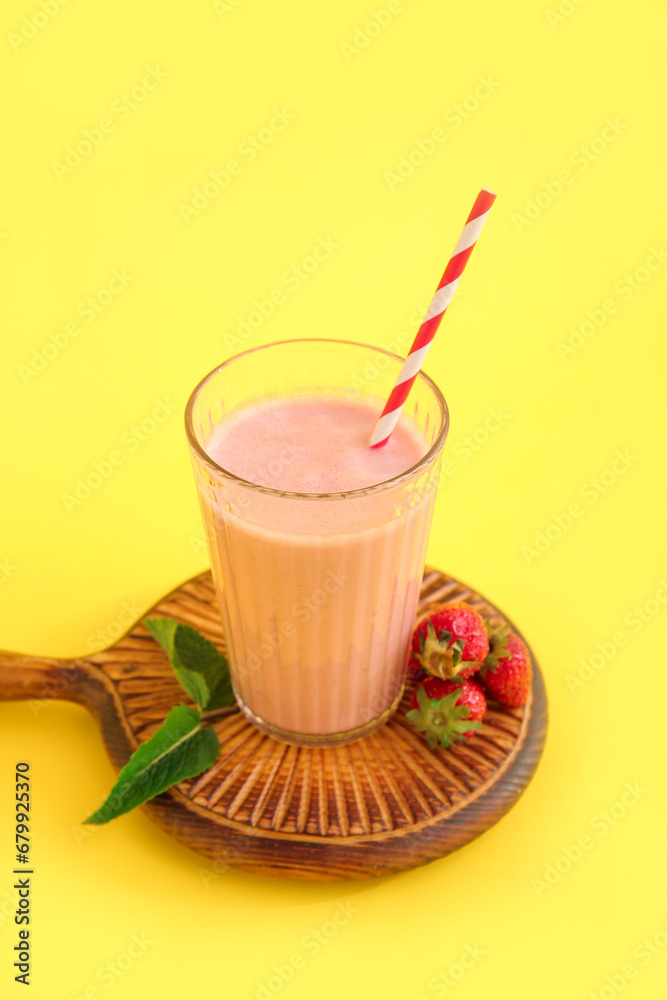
x,y
451,641
507,670
435,688
444,711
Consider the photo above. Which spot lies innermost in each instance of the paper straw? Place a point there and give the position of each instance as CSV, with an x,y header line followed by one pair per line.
x,y
443,296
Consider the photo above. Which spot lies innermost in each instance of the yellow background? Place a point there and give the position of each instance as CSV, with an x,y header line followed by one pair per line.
x,y
556,81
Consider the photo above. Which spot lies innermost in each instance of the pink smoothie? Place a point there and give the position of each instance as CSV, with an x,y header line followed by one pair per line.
x,y
321,592
312,445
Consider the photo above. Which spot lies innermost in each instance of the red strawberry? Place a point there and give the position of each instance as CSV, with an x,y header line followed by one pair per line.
x,y
507,670
444,711
451,641
435,688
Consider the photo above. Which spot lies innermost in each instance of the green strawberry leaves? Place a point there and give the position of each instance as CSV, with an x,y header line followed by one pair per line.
x,y
438,655
498,650
440,720
179,749
201,669
456,648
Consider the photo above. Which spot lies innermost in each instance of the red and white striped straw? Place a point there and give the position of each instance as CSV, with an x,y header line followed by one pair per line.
x,y
443,296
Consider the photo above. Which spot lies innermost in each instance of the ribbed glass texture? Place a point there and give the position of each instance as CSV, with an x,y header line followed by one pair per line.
x,y
318,592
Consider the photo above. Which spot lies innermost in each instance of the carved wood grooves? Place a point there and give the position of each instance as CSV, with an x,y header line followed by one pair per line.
x,y
289,803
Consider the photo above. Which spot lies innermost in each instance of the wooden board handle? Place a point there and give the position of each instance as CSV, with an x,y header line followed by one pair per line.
x,y
36,677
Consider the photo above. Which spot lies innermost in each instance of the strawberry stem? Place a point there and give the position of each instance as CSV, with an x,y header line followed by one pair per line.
x,y
440,720
498,648
439,656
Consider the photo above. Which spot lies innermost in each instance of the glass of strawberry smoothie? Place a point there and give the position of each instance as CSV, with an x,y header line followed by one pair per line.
x,y
317,541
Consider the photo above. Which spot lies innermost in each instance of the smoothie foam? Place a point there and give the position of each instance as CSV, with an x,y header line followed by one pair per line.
x,y
312,445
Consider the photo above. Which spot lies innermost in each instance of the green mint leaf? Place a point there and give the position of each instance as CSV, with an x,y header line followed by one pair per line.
x,y
179,749
200,668
192,682
163,630
197,655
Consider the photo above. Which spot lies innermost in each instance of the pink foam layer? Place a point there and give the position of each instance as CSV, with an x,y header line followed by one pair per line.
x,y
312,445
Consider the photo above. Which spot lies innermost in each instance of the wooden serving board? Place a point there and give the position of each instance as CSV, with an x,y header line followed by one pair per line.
x,y
382,805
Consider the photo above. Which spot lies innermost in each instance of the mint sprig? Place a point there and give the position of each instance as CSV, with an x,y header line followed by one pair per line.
x,y
200,667
182,747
